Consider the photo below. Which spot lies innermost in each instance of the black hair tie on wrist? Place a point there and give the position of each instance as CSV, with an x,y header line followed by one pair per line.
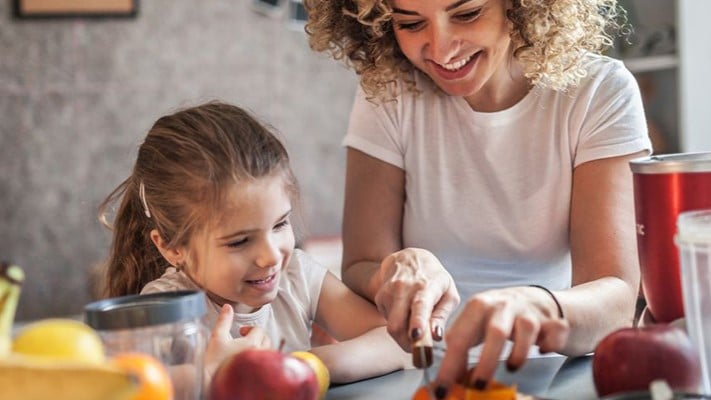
x,y
560,309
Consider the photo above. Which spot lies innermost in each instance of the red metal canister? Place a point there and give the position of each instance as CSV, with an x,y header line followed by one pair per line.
x,y
664,186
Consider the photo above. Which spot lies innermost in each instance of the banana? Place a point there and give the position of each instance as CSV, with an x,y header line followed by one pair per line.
x,y
35,378
11,279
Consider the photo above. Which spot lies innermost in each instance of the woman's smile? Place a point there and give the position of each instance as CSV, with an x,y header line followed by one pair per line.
x,y
456,69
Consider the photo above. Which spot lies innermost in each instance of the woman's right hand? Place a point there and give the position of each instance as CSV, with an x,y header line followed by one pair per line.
x,y
221,343
416,293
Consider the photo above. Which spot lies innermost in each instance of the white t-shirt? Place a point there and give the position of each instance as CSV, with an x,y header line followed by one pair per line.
x,y
288,317
489,193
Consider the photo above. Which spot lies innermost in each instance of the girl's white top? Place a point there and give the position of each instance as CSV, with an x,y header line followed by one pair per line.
x,y
288,317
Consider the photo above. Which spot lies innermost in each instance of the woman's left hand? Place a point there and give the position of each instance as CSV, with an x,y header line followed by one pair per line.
x,y
525,315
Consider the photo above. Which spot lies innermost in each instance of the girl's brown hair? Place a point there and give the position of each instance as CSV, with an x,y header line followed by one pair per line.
x,y
550,39
184,168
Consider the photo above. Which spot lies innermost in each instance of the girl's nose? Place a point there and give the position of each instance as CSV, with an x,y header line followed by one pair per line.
x,y
269,254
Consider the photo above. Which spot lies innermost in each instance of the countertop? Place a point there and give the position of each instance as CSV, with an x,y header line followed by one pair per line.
x,y
549,377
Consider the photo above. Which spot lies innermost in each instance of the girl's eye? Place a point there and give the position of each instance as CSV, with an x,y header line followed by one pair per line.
x,y
468,16
409,26
281,225
237,243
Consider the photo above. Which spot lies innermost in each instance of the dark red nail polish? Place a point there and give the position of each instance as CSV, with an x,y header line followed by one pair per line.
x,y
440,392
511,367
415,333
479,384
438,333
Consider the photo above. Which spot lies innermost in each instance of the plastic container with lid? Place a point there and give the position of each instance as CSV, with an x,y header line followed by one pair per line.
x,y
165,325
694,240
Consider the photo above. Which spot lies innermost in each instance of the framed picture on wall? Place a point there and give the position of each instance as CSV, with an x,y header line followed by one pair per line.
x,y
75,8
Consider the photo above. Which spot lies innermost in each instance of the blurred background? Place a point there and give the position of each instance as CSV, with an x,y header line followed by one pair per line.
x,y
78,94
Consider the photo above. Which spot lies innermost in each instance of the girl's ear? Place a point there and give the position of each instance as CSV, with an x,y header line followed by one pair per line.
x,y
174,256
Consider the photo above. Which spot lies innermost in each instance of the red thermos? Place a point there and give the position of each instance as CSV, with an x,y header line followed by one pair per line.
x,y
664,186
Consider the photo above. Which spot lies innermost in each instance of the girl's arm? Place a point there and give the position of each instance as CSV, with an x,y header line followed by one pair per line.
x,y
365,349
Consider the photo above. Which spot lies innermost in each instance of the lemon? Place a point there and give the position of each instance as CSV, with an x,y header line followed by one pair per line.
x,y
60,338
322,375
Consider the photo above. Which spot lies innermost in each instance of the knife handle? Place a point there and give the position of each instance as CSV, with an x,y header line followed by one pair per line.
x,y
422,356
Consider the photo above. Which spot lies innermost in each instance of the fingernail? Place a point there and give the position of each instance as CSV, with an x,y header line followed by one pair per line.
x,y
440,392
438,333
415,333
479,384
511,367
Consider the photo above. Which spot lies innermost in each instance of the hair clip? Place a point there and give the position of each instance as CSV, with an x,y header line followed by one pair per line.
x,y
142,195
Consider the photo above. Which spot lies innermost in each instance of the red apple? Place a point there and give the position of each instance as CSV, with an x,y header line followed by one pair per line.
x,y
630,359
263,374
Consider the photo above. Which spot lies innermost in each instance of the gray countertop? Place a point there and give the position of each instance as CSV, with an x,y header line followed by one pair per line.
x,y
552,377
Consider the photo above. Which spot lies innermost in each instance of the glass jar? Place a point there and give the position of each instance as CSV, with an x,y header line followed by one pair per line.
x,y
165,325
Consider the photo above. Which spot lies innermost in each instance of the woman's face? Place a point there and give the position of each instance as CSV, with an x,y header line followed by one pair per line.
x,y
245,254
462,45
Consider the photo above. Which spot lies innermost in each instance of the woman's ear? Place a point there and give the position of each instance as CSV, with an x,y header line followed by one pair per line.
x,y
174,256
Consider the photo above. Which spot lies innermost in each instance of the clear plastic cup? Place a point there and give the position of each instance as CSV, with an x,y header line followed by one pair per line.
x,y
165,325
694,241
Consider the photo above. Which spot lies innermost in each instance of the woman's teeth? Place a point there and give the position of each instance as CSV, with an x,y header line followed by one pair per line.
x,y
457,64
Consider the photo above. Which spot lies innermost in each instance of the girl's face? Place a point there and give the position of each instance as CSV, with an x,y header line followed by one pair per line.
x,y
243,257
462,45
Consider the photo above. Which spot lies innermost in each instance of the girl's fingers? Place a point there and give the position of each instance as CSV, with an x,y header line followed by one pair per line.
x,y
224,323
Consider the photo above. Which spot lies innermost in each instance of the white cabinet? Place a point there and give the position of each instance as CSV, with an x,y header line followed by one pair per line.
x,y
670,52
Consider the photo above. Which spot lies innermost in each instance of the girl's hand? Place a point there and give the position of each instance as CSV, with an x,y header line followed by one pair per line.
x,y
221,343
524,315
416,293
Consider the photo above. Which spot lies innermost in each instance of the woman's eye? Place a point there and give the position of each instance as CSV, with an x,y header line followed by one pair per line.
x,y
468,16
409,26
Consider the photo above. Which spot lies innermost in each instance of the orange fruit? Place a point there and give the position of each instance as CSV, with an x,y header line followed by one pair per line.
x,y
153,377
322,375
493,391
455,392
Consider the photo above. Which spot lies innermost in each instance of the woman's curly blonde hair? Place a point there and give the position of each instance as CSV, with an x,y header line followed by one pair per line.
x,y
550,39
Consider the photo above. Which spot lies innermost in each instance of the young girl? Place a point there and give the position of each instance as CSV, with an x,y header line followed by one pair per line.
x,y
209,206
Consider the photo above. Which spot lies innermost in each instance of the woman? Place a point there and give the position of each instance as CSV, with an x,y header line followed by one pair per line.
x,y
488,151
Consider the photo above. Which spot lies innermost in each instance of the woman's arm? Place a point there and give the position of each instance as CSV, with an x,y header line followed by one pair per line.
x,y
372,220
365,349
604,252
410,287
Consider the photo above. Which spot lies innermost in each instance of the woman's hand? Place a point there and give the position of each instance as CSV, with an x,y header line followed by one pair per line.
x,y
221,343
416,293
524,315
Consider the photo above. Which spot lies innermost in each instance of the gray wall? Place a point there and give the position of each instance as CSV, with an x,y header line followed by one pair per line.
x,y
78,95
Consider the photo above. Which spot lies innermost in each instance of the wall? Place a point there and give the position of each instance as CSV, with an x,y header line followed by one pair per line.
x,y
77,96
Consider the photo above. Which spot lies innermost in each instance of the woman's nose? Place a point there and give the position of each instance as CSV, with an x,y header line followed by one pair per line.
x,y
442,42
269,254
